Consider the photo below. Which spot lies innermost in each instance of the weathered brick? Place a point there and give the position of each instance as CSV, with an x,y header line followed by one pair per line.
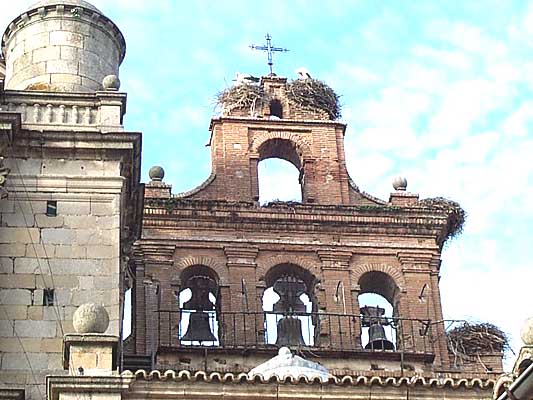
x,y
58,236
40,250
7,265
44,221
81,221
73,208
19,235
13,312
12,250
102,251
35,329
35,313
15,296
72,251
35,361
22,281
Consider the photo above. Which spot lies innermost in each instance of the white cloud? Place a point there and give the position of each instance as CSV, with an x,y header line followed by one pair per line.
x,y
520,122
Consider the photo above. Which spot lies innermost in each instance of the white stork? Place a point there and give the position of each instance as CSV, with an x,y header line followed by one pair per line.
x,y
304,73
241,79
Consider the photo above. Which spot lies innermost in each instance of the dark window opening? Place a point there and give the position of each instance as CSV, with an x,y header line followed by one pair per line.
x,y
276,110
51,208
48,297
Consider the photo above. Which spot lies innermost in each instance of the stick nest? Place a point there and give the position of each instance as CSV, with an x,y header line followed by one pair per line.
x,y
456,215
315,95
471,339
241,96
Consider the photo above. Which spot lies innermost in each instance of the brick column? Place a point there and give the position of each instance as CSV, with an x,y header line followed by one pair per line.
x,y
151,293
139,316
245,322
342,330
420,295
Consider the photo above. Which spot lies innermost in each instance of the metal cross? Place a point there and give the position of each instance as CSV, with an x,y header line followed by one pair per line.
x,y
269,49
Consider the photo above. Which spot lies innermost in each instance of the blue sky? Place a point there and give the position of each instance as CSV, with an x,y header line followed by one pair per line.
x,y
439,92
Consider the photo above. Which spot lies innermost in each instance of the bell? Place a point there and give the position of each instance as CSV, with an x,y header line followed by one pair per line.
x,y
290,332
199,329
373,318
377,338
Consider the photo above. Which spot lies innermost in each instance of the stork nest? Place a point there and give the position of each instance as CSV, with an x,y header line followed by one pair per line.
x,y
241,96
315,95
456,215
471,339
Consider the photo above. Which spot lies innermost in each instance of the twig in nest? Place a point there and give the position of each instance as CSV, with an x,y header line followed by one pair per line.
x,y
316,95
471,339
241,96
456,215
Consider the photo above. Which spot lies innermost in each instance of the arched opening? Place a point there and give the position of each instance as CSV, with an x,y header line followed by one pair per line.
x,y
126,321
276,109
199,304
278,180
377,300
288,303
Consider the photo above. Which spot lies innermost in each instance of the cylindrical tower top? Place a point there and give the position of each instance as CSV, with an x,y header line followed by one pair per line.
x,y
61,46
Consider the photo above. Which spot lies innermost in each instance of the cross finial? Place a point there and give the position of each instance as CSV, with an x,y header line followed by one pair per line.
x,y
269,49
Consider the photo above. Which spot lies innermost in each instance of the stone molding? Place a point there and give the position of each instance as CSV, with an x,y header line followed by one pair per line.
x,y
434,381
241,256
75,387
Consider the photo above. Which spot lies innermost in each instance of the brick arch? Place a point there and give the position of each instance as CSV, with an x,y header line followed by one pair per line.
x,y
391,271
219,268
303,147
289,259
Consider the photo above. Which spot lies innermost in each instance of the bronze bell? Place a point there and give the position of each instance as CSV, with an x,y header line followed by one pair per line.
x,y
199,329
374,320
290,332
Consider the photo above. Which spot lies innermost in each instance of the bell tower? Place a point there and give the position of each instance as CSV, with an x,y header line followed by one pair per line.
x,y
288,274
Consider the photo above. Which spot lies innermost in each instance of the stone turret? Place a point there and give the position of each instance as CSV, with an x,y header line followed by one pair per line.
x,y
61,46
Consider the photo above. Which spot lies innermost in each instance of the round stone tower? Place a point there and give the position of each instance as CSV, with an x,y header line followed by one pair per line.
x,y
61,46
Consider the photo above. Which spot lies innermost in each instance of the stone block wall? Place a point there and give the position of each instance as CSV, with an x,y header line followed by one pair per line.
x,y
61,48
75,253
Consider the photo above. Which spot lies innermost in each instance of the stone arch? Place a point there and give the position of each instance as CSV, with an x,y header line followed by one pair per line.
x,y
303,148
218,268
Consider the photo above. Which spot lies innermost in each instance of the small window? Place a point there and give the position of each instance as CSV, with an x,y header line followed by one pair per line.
x,y
51,208
276,110
48,297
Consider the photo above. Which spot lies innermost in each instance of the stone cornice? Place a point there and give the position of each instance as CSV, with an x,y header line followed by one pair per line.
x,y
334,259
10,123
384,220
56,385
279,124
241,256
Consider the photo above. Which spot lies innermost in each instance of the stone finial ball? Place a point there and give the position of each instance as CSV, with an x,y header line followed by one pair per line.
x,y
90,318
156,173
399,183
111,82
527,332
284,351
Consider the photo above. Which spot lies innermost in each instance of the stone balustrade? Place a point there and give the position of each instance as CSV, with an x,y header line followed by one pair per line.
x,y
60,111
